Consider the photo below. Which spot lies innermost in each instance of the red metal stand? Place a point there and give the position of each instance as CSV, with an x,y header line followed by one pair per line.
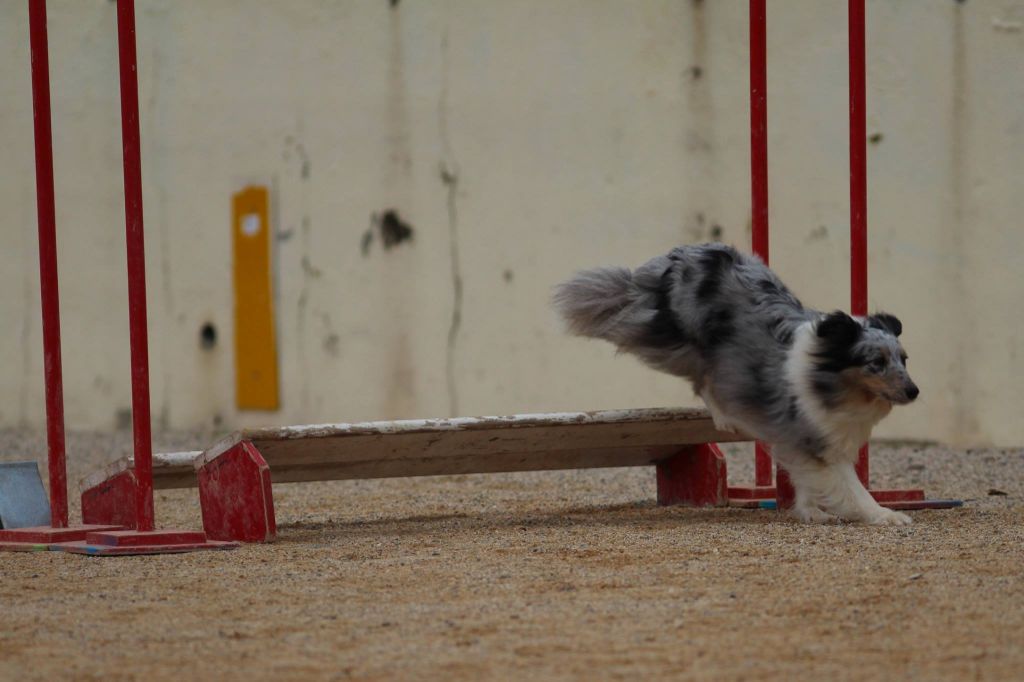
x,y
48,282
762,488
144,539
858,182
136,263
696,477
40,537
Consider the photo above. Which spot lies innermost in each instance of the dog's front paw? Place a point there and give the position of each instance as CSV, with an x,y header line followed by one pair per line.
x,y
888,517
812,515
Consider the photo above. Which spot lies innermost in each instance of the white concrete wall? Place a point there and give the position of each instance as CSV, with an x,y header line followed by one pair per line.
x,y
579,132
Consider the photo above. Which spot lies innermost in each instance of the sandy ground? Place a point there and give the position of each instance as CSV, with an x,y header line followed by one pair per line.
x,y
562,575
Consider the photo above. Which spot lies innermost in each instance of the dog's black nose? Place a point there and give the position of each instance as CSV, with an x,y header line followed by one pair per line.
x,y
912,392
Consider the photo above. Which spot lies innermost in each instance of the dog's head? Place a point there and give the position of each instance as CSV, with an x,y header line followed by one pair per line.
x,y
867,354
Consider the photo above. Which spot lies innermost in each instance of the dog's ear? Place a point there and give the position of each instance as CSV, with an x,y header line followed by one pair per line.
x,y
886,322
839,328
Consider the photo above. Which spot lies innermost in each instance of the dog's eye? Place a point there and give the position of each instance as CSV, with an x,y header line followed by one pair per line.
x,y
877,365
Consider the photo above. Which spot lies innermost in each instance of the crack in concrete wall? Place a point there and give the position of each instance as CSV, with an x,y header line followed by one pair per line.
x,y
450,178
960,229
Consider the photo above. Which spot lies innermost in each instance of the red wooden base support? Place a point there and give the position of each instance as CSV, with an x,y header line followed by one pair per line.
x,y
40,538
762,490
235,494
112,501
750,496
109,498
234,491
695,477
784,487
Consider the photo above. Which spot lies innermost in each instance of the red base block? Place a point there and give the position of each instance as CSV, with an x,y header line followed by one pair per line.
x,y
123,542
236,496
908,499
24,547
114,550
914,505
39,538
908,495
756,492
911,499
755,503
785,495
695,477
111,501
135,538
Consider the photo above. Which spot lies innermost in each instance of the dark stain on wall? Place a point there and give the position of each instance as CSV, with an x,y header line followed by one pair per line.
x,y
390,227
207,336
394,230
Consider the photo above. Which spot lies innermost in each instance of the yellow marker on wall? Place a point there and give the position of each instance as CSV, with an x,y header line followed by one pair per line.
x,y
255,342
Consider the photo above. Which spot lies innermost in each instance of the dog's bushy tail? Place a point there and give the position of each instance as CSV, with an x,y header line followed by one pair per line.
x,y
605,303
633,310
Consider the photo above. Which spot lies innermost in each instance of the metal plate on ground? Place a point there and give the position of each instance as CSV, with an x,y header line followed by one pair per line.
x,y
136,550
23,501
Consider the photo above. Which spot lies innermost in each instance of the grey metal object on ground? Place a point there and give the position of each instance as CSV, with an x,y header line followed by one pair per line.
x,y
23,501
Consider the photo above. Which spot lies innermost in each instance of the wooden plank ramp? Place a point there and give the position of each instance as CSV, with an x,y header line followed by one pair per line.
x,y
467,445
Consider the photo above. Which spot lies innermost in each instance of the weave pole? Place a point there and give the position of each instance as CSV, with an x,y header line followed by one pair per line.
x,y
858,182
762,492
48,285
759,174
136,263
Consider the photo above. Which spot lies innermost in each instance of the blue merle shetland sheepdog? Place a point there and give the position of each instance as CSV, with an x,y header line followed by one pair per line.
x,y
811,385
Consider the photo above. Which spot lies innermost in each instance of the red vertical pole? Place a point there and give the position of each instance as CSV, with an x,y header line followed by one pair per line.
x,y
136,262
48,264
759,173
858,182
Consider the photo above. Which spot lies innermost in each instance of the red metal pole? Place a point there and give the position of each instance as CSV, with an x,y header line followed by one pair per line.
x,y
136,262
858,182
759,173
49,294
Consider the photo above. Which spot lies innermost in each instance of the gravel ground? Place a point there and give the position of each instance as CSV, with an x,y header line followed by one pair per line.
x,y
558,575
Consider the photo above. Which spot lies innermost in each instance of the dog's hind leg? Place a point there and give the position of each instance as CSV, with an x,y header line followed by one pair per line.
x,y
805,475
722,422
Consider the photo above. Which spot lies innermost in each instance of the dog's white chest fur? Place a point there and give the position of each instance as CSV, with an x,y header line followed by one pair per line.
x,y
845,428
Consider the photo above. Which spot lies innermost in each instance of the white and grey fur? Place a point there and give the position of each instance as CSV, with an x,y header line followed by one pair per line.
x,y
811,385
